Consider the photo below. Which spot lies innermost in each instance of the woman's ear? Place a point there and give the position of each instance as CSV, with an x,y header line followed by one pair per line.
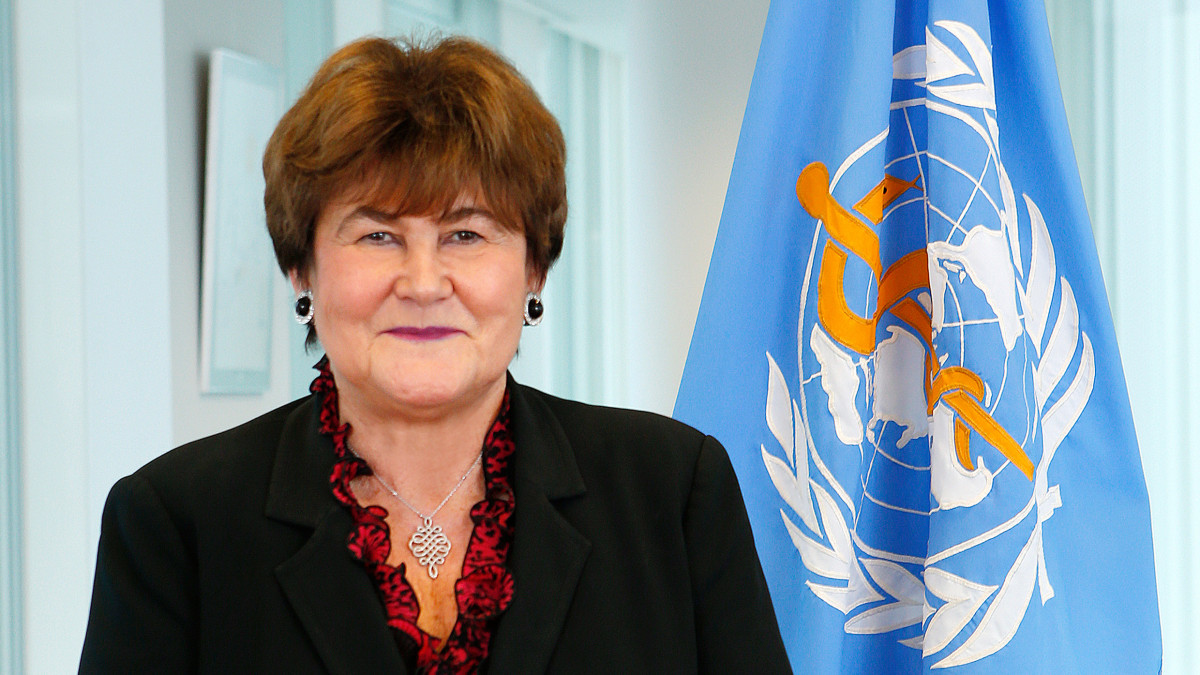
x,y
299,282
535,281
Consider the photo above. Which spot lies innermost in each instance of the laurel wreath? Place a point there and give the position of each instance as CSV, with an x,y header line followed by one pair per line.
x,y
830,549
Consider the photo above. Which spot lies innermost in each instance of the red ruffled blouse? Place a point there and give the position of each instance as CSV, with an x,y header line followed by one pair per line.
x,y
485,589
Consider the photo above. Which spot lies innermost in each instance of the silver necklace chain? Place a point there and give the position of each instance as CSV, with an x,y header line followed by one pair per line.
x,y
453,490
429,543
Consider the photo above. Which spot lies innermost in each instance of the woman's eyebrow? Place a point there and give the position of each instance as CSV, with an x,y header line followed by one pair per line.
x,y
462,213
371,213
368,212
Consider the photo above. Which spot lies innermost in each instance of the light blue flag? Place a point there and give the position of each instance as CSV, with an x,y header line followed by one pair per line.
x,y
905,345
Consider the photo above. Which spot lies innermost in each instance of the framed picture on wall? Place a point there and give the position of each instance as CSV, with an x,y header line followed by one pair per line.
x,y
245,99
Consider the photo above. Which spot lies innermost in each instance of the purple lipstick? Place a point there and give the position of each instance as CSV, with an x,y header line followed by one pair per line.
x,y
425,334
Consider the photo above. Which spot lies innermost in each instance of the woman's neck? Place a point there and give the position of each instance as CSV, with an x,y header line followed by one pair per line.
x,y
421,455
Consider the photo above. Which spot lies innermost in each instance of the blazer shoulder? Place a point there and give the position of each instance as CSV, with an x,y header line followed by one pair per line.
x,y
226,457
632,446
617,423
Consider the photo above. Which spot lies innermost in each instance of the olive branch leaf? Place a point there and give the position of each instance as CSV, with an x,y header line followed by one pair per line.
x,y
831,554
1066,340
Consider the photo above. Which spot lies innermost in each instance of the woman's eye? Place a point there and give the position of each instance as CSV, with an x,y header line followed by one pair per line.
x,y
464,237
378,237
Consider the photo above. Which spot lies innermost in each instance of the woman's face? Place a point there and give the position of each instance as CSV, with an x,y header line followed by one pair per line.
x,y
418,314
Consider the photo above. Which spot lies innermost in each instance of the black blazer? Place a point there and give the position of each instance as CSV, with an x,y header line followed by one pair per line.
x,y
632,553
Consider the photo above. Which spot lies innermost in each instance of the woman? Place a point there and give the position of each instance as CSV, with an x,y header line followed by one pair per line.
x,y
421,511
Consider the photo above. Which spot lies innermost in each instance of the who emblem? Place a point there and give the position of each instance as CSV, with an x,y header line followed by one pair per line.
x,y
940,366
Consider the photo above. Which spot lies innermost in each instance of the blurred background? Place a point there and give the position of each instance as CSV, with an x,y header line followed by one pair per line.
x,y
103,115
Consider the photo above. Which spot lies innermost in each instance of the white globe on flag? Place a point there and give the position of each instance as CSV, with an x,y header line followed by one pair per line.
x,y
925,406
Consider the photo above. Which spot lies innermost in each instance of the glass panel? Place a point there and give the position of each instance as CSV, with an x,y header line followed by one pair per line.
x,y
10,505
572,352
1131,86
443,13
420,17
307,40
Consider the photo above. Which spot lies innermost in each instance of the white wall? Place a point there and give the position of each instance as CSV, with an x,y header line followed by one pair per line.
x,y
52,398
108,154
95,342
690,65
1131,74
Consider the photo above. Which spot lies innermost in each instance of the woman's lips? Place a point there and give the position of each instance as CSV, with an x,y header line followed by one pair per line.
x,y
423,334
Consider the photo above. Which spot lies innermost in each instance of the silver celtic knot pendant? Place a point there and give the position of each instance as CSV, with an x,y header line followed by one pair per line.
x,y
430,546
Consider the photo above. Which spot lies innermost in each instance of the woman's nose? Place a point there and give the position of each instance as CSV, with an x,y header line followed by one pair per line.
x,y
423,277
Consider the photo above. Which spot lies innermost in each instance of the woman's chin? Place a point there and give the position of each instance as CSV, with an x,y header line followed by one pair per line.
x,y
427,398
436,390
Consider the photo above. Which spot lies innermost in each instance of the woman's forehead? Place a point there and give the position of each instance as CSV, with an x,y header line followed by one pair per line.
x,y
411,191
394,196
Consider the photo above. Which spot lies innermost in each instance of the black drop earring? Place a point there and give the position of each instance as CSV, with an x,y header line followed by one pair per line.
x,y
304,308
533,309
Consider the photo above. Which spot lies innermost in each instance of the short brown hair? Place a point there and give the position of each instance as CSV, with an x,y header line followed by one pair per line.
x,y
409,126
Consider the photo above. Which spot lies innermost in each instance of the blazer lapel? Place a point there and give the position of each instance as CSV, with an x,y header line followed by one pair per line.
x,y
329,591
548,553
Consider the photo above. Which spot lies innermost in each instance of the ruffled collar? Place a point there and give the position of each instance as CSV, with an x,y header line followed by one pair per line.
x,y
485,588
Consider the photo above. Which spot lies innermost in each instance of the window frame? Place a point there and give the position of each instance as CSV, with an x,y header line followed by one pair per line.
x,y
11,633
